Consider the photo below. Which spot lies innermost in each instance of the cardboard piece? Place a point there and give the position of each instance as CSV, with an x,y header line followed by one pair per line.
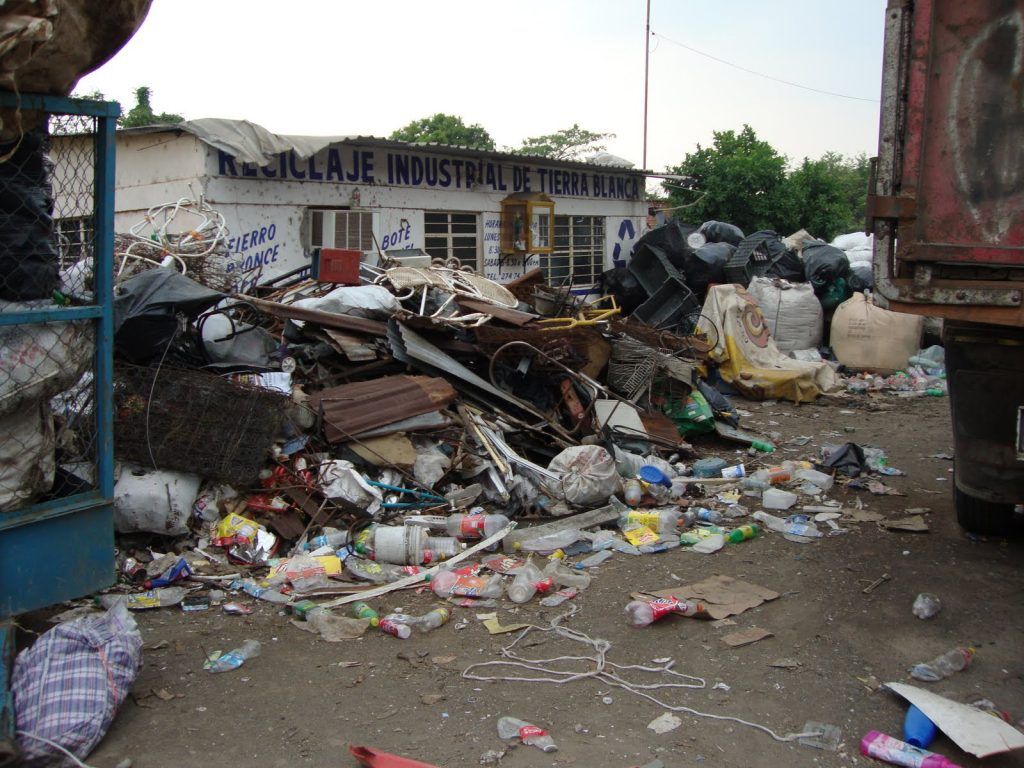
x,y
971,729
495,627
385,451
723,596
913,524
745,637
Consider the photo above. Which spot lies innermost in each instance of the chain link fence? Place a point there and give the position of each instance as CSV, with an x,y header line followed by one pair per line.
x,y
48,426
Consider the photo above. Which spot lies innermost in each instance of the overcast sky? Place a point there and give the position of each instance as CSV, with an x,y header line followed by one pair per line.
x,y
519,69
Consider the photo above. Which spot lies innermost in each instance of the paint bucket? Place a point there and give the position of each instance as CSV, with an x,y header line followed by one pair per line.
x,y
399,544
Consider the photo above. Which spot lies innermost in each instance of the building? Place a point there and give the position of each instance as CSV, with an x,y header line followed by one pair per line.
x,y
284,196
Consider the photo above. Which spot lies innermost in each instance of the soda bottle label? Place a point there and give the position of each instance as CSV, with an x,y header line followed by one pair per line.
x,y
662,606
649,519
390,627
472,526
410,570
544,585
468,586
531,732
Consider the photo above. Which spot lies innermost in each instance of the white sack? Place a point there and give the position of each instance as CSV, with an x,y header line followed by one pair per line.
x,y
340,480
153,500
588,475
27,460
791,310
852,240
371,301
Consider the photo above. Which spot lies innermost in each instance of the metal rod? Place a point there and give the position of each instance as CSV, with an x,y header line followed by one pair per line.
x,y
647,62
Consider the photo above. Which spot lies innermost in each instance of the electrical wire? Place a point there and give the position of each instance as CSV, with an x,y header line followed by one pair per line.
x,y
605,671
762,74
70,755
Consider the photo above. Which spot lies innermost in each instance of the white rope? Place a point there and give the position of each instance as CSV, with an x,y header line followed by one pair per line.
x,y
599,668
55,745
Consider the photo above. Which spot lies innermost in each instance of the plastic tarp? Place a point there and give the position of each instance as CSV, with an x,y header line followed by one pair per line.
x,y
747,355
252,143
792,311
371,301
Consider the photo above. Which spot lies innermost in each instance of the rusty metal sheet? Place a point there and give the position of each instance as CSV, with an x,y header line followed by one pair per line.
x,y
355,408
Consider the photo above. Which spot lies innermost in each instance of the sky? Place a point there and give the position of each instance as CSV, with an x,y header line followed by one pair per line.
x,y
339,67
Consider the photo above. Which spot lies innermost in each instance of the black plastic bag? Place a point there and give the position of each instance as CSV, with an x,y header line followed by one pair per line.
x,y
847,458
721,232
620,283
824,264
721,406
862,277
788,266
706,265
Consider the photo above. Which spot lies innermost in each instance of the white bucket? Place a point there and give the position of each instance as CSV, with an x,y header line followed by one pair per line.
x,y
399,544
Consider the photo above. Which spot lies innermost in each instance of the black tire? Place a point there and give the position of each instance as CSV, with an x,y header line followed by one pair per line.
x,y
986,518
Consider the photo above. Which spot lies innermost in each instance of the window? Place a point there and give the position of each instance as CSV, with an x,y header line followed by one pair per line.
x,y
340,228
74,239
451,234
578,258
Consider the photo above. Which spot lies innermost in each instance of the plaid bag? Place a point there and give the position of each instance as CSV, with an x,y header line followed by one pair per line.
x,y
68,685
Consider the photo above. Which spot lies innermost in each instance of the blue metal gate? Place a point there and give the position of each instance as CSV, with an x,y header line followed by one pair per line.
x,y
56,359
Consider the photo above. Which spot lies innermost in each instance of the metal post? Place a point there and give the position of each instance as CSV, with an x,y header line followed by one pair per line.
x,y
647,62
9,751
104,286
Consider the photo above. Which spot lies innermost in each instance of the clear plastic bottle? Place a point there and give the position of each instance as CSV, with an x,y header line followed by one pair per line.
x,y
528,582
511,727
253,589
235,658
564,577
425,623
594,560
712,516
395,629
475,526
943,666
330,537
552,541
444,547
664,521
642,613
793,528
445,584
632,491
139,601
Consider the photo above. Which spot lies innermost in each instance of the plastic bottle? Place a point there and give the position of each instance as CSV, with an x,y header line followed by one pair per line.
x,y
235,658
253,589
776,498
511,727
918,730
712,516
664,521
594,560
443,547
882,747
395,629
446,584
943,666
528,581
330,537
475,526
552,541
762,445
425,623
632,491
565,577
756,483
364,611
793,528
743,533
641,613
156,598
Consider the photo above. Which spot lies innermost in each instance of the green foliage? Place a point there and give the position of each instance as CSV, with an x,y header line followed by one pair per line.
x,y
742,180
142,113
738,179
567,144
446,129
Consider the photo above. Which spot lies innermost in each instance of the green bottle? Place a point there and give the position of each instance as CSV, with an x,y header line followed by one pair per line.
x,y
762,445
742,533
363,611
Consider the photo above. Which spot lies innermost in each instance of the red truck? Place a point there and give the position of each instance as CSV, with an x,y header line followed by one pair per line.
x,y
946,206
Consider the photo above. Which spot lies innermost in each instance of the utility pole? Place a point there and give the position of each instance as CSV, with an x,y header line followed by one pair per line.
x,y
647,63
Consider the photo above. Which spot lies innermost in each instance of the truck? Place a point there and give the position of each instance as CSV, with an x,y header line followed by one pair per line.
x,y
946,207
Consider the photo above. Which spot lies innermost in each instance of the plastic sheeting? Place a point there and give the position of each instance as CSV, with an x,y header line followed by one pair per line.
x,y
747,355
252,143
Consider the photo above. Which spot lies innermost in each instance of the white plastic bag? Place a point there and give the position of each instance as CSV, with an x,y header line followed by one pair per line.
x,y
791,310
340,480
431,462
853,240
68,686
373,301
153,500
588,475
27,462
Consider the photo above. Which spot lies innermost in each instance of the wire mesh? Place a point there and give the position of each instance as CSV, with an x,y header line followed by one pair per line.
x,y
48,427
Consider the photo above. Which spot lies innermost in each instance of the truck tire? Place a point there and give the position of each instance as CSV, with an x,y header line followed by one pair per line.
x,y
986,518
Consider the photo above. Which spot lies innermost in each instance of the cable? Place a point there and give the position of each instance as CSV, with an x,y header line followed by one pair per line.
x,y
762,74
71,756
605,671
152,389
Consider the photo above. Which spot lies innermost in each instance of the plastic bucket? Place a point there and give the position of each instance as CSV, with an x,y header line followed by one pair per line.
x,y
399,544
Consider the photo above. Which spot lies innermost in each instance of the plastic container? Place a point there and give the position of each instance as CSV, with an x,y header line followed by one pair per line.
x,y
642,613
235,658
564,577
709,467
399,544
943,666
654,476
330,537
896,752
253,589
926,606
918,730
445,584
364,611
821,480
532,735
475,526
776,498
786,526
395,629
632,491
664,521
528,582
743,533
734,472
425,623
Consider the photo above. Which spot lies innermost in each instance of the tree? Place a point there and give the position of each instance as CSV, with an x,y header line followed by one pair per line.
x,y
567,144
739,179
142,113
826,196
445,129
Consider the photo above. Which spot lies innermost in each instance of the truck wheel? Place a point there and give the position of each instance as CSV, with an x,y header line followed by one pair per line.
x,y
986,518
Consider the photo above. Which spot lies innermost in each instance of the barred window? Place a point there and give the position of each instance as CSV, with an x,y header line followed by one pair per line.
x,y
578,258
451,234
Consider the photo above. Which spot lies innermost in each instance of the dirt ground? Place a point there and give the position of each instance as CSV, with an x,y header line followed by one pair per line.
x,y
300,703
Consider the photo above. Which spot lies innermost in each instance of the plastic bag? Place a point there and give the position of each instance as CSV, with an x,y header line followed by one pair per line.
x,y
824,264
153,501
721,232
791,310
847,458
706,265
431,462
372,301
27,460
68,686
588,474
340,480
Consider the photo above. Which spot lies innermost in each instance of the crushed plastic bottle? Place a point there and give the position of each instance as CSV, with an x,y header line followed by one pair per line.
x,y
395,629
663,521
425,623
712,516
552,541
926,605
883,747
642,613
331,538
555,599
789,526
447,584
528,582
253,589
594,560
532,735
475,525
233,659
141,601
565,577
943,666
